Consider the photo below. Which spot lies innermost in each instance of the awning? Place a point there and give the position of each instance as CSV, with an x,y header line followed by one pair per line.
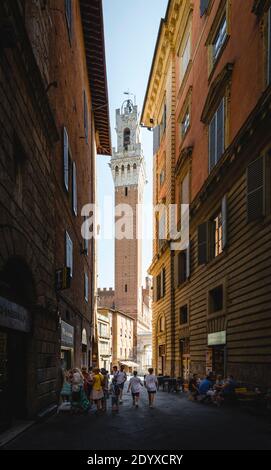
x,y
129,363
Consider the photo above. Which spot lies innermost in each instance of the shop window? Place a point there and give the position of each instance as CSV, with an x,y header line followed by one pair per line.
x,y
216,299
184,315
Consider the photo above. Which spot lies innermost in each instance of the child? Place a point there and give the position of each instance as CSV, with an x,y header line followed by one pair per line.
x,y
135,385
115,393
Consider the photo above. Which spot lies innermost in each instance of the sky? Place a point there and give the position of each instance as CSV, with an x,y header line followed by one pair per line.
x,y
131,28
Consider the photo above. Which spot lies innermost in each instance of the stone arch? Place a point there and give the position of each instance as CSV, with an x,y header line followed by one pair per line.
x,y
126,138
17,250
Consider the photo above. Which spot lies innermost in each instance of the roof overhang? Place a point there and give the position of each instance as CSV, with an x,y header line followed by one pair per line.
x,y
93,30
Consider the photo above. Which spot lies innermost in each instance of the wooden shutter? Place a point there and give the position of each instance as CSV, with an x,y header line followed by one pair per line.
x,y
188,262
156,139
220,131
212,143
163,282
176,270
154,288
202,243
69,253
85,116
255,190
74,188
269,48
66,158
86,287
224,217
203,6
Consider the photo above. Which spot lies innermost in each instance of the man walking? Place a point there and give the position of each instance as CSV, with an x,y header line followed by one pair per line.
x,y
121,377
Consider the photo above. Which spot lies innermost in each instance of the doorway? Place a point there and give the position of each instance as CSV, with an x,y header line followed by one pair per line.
x,y
184,358
13,378
216,355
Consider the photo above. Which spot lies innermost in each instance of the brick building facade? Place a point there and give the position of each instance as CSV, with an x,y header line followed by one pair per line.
x,y
209,99
50,126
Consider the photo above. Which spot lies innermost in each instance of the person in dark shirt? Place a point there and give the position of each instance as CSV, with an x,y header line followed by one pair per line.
x,y
193,386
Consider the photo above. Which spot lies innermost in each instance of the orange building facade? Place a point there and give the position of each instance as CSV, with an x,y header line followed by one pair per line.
x,y
208,100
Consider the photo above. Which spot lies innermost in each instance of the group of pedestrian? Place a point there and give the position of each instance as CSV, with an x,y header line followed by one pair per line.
x,y
82,388
213,388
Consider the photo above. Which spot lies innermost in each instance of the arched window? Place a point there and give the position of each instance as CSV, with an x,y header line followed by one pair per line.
x,y
126,138
128,167
161,325
116,169
134,166
122,167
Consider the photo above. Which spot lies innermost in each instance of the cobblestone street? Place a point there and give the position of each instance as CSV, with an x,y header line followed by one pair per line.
x,y
175,423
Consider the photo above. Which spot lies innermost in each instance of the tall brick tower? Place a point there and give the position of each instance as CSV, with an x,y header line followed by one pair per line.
x,y
128,171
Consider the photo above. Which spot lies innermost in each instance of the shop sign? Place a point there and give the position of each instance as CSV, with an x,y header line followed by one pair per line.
x,y
215,339
67,334
14,316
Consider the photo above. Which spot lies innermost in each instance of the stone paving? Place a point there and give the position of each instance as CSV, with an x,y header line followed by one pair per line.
x,y
174,423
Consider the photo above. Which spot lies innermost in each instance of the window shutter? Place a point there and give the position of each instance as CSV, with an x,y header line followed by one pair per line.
x,y
202,243
86,116
69,253
156,139
86,287
176,270
188,262
203,6
66,158
74,188
255,190
154,288
212,143
220,131
165,117
269,48
224,216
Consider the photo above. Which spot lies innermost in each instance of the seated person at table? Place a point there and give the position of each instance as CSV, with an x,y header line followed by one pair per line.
x,y
204,387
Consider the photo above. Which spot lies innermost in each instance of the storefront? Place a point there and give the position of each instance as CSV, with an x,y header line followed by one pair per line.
x,y
15,325
216,353
67,345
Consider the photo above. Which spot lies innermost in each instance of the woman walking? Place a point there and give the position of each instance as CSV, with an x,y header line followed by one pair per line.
x,y
135,385
151,385
97,388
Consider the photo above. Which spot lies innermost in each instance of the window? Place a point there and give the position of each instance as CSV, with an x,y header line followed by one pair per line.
x,y
181,266
184,315
126,138
185,124
204,4
219,39
68,13
86,117
74,189
69,253
216,136
161,221
86,236
128,167
134,166
216,235
156,139
213,234
216,300
164,121
184,199
122,168
126,288
116,169
86,287
185,57
126,191
256,189
66,158
269,49
161,324
162,177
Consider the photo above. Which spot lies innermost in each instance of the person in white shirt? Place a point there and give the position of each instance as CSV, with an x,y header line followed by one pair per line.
x,y
120,376
135,385
151,385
